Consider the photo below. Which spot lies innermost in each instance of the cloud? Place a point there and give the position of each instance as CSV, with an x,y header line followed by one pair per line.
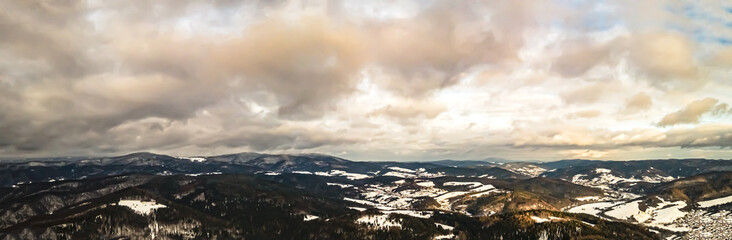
x,y
306,65
589,93
665,56
413,79
581,56
584,154
723,58
689,114
703,136
578,139
585,114
412,61
638,102
282,138
406,111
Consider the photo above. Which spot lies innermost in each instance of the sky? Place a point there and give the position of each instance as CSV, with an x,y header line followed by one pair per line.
x,y
367,80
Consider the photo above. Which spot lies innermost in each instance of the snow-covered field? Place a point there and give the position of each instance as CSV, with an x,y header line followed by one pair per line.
x,y
446,236
530,170
411,173
402,169
664,214
340,185
400,174
588,198
471,184
606,179
391,196
350,176
591,208
715,202
140,207
444,226
426,184
667,212
627,211
193,159
538,219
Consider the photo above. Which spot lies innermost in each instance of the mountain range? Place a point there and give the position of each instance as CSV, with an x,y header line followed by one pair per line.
x,y
314,196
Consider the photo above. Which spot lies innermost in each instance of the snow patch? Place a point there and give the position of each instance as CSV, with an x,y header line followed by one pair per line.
x,y
471,184
378,221
538,219
193,159
201,174
340,185
426,184
669,211
483,188
588,198
141,207
715,202
445,226
627,210
360,209
443,199
402,169
341,173
447,236
592,208
400,174
541,220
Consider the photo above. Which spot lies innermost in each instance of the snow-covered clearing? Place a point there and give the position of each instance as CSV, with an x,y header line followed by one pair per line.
x,y
378,221
629,210
715,202
400,174
140,207
471,184
445,226
340,185
350,176
402,169
193,159
588,198
541,220
592,208
426,184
